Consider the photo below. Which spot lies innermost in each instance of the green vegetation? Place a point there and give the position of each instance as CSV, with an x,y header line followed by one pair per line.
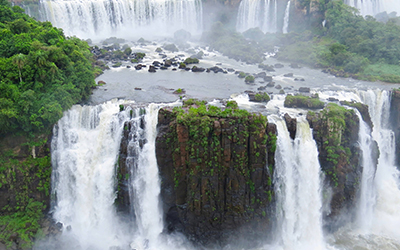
x,y
116,65
242,74
262,97
301,101
249,79
27,182
349,45
338,123
24,225
42,73
232,105
211,143
191,60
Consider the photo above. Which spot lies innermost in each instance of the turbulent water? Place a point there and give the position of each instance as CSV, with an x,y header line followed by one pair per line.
x,y
386,216
145,184
126,18
373,7
85,148
367,192
298,184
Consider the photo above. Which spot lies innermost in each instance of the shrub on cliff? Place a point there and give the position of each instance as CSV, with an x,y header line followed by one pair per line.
x,y
301,101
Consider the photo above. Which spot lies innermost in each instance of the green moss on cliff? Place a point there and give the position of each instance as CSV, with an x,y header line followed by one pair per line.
x,y
218,177
335,130
25,170
300,101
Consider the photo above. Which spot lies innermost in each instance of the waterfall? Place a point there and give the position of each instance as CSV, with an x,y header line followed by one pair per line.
x,y
85,149
145,183
386,211
258,13
286,19
298,187
367,193
373,7
126,18
84,152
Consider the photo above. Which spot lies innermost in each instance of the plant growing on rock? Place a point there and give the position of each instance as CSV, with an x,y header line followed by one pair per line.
x,y
191,60
262,97
249,79
301,101
242,74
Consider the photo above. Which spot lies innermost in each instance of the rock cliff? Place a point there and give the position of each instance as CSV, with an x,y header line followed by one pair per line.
x,y
335,130
215,181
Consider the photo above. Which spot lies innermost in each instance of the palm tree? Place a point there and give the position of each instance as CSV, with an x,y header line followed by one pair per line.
x,y
19,60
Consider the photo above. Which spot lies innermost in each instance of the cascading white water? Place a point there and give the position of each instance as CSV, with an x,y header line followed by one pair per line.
x,y
286,19
373,7
85,148
145,182
298,187
123,18
386,216
367,192
258,13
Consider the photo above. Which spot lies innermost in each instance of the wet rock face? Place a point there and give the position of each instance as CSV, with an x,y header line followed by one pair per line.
x,y
215,181
395,120
335,130
291,124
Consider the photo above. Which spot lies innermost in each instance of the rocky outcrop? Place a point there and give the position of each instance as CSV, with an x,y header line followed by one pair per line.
x,y
301,101
216,185
395,120
291,124
335,130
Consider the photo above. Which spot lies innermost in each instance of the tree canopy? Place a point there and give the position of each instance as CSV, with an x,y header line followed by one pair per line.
x,y
42,72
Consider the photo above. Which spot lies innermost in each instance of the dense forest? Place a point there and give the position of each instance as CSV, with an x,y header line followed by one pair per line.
x,y
42,73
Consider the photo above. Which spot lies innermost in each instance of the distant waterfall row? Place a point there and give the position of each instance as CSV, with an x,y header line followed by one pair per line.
x,y
105,18
373,7
268,15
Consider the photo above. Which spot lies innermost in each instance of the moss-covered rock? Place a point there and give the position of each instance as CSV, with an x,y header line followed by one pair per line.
x,y
216,184
191,60
249,79
362,108
335,130
259,97
301,101
25,170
